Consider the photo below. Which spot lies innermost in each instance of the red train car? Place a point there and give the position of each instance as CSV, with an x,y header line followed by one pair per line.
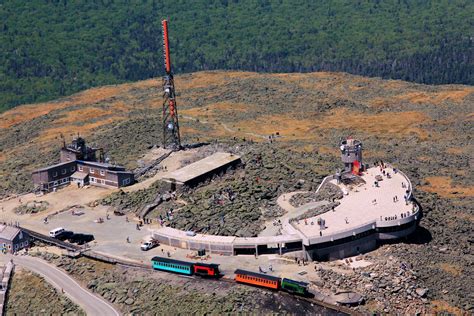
x,y
206,269
257,279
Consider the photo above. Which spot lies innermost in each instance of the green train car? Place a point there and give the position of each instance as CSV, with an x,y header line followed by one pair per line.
x,y
294,287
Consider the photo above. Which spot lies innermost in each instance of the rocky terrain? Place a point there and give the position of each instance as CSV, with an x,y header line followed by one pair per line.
x,y
32,207
294,122
328,192
30,294
147,292
237,203
389,285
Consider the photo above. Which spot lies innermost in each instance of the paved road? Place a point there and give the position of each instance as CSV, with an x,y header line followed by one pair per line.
x,y
91,304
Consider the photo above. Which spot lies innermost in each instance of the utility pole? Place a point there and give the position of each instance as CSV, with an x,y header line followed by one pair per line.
x,y
171,137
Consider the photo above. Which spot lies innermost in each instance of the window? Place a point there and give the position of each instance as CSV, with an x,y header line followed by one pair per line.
x,y
102,181
92,171
80,168
64,171
55,174
55,183
73,168
102,172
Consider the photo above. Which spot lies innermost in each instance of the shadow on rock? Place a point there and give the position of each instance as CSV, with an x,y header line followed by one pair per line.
x,y
420,236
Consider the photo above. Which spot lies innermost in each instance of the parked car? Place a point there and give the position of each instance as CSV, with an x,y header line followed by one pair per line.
x,y
56,232
81,239
147,245
65,235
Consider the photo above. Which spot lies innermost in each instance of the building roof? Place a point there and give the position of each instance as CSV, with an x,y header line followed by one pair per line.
x,y
102,165
181,234
201,167
8,232
79,175
54,166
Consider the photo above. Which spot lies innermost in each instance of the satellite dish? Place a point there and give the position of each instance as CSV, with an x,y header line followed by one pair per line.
x,y
342,147
170,126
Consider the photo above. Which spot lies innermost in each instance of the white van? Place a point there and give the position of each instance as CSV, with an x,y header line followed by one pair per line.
x,y
56,232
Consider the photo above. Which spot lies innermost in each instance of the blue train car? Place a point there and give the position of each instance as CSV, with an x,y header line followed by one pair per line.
x,y
171,265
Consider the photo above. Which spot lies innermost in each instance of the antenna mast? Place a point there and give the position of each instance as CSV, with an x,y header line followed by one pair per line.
x,y
171,137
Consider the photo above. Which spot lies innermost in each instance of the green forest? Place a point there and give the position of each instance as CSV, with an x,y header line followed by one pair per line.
x,y
51,48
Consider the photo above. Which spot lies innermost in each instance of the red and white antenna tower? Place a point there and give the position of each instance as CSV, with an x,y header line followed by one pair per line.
x,y
171,137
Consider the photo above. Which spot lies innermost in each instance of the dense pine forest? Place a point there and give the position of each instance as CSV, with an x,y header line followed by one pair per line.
x,y
50,48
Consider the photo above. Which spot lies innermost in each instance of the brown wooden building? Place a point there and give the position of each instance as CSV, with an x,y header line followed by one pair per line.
x,y
83,173
54,176
79,165
78,150
104,174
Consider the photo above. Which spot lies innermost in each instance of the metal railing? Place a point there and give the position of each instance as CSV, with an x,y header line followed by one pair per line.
x,y
324,182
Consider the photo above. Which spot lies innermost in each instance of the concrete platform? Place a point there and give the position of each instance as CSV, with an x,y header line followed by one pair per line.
x,y
194,172
358,208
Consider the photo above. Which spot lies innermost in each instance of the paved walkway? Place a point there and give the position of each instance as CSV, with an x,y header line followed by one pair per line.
x,y
92,304
284,202
291,212
364,204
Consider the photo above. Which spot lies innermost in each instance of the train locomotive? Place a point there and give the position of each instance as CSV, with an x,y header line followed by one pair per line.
x,y
271,282
211,270
186,268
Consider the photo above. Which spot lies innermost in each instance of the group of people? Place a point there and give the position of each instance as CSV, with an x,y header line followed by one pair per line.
x,y
272,137
224,194
300,262
168,216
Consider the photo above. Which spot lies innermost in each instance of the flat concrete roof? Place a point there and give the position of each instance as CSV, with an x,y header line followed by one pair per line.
x,y
265,240
214,239
357,206
200,167
180,234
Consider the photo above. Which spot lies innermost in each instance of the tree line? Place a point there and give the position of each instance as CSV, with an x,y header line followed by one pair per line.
x,y
51,48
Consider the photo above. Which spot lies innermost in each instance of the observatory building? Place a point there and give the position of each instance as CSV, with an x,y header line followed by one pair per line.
x,y
377,206
79,165
351,155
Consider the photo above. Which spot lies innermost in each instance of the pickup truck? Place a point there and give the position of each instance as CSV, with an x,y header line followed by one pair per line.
x,y
147,245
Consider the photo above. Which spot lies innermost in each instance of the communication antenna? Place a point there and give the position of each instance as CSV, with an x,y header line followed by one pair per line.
x,y
171,137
